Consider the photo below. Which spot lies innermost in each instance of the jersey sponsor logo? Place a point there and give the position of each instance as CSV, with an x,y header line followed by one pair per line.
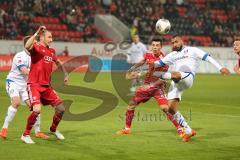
x,y
48,58
179,58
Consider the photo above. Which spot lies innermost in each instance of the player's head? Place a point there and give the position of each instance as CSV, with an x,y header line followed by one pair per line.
x,y
135,38
156,45
177,43
46,37
236,46
25,39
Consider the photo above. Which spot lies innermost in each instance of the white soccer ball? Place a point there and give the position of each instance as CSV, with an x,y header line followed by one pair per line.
x,y
163,26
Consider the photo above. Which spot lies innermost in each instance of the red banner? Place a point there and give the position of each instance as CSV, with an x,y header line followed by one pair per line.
x,y
6,63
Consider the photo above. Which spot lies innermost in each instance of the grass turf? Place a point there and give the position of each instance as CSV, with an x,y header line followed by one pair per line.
x,y
211,107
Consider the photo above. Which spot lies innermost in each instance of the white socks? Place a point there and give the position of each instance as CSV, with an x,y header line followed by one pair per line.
x,y
11,114
9,117
182,122
36,126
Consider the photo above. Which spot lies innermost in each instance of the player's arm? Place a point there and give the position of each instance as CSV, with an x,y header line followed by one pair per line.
x,y
206,57
24,70
167,60
32,39
135,66
222,69
237,69
60,65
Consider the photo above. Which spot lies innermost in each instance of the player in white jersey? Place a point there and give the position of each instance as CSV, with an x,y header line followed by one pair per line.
x,y
185,61
236,48
135,55
16,86
136,51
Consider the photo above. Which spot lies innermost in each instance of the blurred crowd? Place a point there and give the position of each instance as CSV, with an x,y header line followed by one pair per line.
x,y
78,15
218,20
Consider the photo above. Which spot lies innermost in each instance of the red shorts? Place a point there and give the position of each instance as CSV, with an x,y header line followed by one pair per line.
x,y
142,96
42,94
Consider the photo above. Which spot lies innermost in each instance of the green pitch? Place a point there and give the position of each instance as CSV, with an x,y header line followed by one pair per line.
x,y
212,107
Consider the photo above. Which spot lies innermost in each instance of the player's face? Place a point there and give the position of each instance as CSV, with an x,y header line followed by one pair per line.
x,y
177,43
156,46
47,39
236,47
136,39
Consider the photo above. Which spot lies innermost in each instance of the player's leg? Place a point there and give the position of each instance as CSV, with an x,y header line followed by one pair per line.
x,y
128,119
49,96
34,97
139,97
175,76
32,118
181,120
160,97
13,93
36,126
59,111
174,97
11,112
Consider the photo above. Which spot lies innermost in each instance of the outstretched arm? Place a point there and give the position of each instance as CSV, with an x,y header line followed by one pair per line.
x,y
223,70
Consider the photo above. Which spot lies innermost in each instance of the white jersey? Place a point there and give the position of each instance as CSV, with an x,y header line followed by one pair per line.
x,y
136,52
186,60
19,60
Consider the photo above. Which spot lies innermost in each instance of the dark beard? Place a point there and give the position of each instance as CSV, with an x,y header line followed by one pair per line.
x,y
178,49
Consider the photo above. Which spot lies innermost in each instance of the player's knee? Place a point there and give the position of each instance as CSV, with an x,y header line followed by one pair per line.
x,y
164,108
60,108
131,107
16,102
36,108
176,75
171,111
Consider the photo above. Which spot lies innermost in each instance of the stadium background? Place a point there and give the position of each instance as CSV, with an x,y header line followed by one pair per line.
x,y
84,27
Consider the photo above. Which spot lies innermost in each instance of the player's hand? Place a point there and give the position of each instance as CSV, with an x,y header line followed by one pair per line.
x,y
150,61
225,71
131,69
132,75
236,69
66,80
40,30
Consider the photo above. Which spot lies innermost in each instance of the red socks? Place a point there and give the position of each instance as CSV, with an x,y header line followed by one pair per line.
x,y
30,122
56,119
129,118
172,119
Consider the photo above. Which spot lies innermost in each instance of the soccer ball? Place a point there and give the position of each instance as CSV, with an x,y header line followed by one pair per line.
x,y
163,26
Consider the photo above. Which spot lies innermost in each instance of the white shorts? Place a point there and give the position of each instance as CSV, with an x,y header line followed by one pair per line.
x,y
176,89
16,90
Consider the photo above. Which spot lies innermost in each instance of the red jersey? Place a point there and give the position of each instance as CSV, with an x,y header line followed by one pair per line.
x,y
150,56
42,60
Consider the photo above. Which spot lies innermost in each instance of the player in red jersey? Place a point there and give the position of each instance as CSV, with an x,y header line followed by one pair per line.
x,y
156,87
236,48
39,89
